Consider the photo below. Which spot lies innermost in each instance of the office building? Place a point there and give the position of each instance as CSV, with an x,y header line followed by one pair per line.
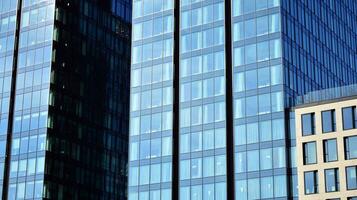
x,y
326,144
212,84
64,68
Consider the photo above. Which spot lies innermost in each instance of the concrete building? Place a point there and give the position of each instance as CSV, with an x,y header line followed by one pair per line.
x,y
326,145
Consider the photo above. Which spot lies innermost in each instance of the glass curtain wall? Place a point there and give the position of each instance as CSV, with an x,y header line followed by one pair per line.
x,y
259,130
150,151
8,19
202,167
31,99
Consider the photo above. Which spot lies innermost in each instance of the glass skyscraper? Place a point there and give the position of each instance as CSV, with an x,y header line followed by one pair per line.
x,y
212,82
64,73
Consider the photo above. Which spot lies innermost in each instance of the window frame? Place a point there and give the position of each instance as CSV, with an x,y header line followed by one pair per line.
x,y
331,118
305,154
336,180
312,124
355,169
316,182
354,119
347,148
325,150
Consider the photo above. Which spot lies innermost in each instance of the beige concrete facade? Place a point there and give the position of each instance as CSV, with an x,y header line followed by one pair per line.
x,y
319,137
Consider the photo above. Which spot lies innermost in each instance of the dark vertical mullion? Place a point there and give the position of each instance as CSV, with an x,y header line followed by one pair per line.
x,y
12,104
176,102
229,101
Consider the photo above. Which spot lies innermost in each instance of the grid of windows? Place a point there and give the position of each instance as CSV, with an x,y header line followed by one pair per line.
x,y
7,39
202,101
314,33
31,100
151,100
338,148
258,100
259,30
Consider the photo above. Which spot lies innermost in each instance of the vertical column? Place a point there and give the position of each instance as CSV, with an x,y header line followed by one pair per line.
x,y
229,101
176,103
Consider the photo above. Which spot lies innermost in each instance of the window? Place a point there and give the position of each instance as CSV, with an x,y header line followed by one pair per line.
x,y
328,121
309,153
250,54
308,124
311,182
249,6
332,182
262,25
349,118
350,147
253,161
330,150
351,174
352,198
266,184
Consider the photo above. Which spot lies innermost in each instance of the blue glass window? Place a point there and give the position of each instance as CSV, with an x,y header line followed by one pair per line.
x,y
253,161
311,182
332,181
330,150
349,118
262,25
328,121
252,133
266,187
308,124
251,79
350,147
249,6
309,153
351,174
251,106
249,28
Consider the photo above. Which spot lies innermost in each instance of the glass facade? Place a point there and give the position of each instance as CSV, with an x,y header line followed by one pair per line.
x,y
32,105
150,152
280,49
202,100
8,20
